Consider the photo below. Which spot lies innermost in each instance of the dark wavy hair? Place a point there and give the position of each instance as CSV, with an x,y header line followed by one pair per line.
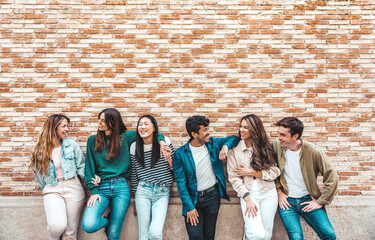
x,y
193,124
139,150
263,156
114,123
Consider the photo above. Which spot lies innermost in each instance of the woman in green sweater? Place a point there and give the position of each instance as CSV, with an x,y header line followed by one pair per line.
x,y
107,156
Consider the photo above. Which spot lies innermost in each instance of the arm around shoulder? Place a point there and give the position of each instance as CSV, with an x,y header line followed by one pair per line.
x,y
231,141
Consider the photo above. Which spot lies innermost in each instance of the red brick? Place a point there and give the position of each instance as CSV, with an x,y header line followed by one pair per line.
x,y
349,193
34,16
101,45
193,71
348,173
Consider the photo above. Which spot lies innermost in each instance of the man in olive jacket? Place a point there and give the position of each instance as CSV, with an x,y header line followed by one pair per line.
x,y
300,163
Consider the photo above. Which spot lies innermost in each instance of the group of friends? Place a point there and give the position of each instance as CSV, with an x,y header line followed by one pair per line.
x,y
120,163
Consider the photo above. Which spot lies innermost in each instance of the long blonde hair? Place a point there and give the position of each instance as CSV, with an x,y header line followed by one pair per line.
x,y
41,155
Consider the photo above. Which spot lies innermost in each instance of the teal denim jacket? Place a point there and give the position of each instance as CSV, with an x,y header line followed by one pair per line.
x,y
185,173
72,163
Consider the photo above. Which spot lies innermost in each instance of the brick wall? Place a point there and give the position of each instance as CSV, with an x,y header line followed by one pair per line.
x,y
310,59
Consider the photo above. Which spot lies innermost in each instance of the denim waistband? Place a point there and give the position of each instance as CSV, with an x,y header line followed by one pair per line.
x,y
114,178
152,184
306,196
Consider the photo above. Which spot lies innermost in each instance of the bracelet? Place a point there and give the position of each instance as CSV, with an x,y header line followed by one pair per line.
x,y
279,192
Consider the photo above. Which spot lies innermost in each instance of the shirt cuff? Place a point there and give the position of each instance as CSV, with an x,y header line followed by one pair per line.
x,y
94,191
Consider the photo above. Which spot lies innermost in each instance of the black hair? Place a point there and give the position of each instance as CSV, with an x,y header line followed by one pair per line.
x,y
294,125
193,124
139,151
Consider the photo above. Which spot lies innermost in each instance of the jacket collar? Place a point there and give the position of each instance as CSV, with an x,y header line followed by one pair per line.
x,y
242,145
189,155
65,144
187,148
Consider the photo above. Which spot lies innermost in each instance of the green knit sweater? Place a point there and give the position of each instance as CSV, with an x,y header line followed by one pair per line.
x,y
98,164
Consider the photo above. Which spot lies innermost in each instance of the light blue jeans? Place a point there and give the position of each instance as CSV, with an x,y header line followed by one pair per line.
x,y
113,192
317,219
152,204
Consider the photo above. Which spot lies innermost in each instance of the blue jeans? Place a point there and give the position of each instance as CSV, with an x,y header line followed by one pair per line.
x,y
113,192
152,204
317,219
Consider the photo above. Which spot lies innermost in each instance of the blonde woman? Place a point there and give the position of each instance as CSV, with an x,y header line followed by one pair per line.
x,y
252,171
56,162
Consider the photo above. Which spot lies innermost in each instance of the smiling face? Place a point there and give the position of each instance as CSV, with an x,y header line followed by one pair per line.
x,y
101,123
285,137
62,130
244,130
203,136
146,129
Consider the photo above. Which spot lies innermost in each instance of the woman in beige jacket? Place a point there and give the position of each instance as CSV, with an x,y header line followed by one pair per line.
x,y
252,171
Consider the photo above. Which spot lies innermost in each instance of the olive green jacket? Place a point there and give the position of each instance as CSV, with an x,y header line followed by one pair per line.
x,y
313,161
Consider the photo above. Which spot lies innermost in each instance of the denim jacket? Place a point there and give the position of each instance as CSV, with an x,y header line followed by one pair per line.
x,y
72,163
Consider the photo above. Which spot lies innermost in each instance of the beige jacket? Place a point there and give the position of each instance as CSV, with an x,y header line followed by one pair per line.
x,y
313,161
241,155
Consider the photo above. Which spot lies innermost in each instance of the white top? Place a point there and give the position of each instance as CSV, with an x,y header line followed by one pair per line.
x,y
293,175
254,185
205,174
56,157
161,173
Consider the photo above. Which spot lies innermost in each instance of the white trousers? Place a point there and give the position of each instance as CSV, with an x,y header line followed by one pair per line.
x,y
63,206
261,226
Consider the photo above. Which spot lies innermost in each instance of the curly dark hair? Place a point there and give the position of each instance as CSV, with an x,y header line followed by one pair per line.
x,y
193,124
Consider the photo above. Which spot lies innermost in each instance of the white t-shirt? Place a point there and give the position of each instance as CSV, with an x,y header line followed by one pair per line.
x,y
205,174
293,175
56,157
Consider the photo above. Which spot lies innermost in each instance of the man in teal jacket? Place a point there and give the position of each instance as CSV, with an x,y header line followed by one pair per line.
x,y
199,174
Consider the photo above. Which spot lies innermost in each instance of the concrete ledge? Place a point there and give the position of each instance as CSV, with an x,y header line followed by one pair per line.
x,y
351,217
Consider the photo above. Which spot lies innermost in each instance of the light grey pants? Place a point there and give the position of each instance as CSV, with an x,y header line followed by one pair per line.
x,y
63,206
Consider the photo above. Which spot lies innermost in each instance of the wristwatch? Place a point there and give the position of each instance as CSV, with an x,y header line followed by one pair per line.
x,y
245,195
